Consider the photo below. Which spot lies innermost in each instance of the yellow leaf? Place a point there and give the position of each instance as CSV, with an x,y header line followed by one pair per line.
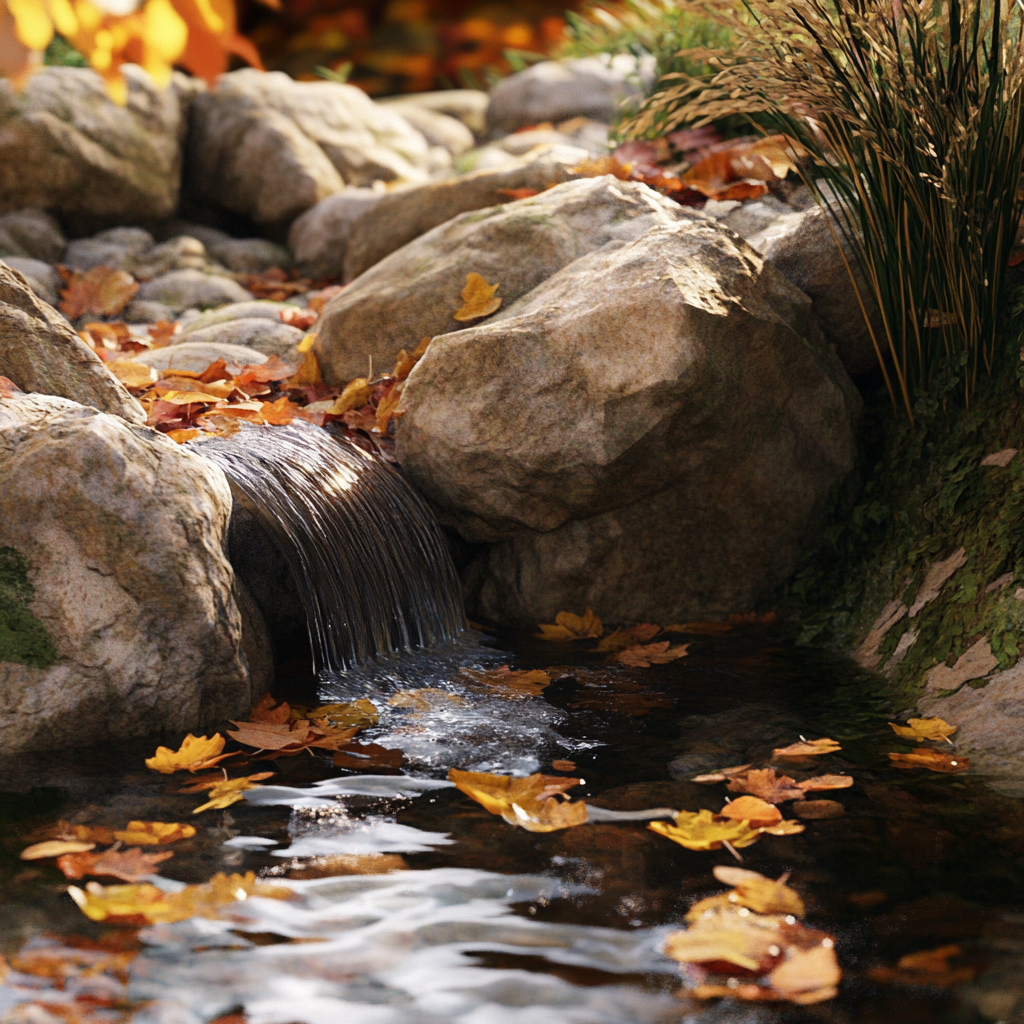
x,y
743,940
752,809
701,830
357,714
571,627
309,375
32,23
195,752
355,395
918,729
425,699
54,848
478,299
226,793
808,975
154,833
757,893
933,760
132,374
807,748
529,803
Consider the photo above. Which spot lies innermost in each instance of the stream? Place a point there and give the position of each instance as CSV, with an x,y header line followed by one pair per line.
x,y
411,904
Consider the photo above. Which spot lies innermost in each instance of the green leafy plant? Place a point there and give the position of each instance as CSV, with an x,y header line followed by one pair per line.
x,y
913,114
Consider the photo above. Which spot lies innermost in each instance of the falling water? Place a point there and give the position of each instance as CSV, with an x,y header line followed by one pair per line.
x,y
370,562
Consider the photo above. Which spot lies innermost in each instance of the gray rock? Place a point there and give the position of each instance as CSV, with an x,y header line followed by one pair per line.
x,y
181,253
91,161
181,289
236,311
41,277
210,237
146,312
31,233
467,105
553,91
251,255
319,238
494,157
438,129
196,356
269,147
259,333
130,581
654,431
40,352
115,248
414,292
591,136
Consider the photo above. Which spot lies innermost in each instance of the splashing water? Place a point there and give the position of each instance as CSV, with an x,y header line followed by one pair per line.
x,y
370,562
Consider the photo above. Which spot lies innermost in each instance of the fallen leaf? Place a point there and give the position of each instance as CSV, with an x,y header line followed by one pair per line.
x,y
749,993
303,319
355,395
184,436
93,834
807,748
308,374
161,332
749,941
54,848
189,398
927,967
918,729
529,803
426,699
406,362
783,828
98,292
701,830
212,781
808,975
268,710
622,639
172,383
226,793
721,775
132,374
154,833
357,714
824,782
281,412
643,656
478,299
387,408
274,369
150,905
933,760
564,766
767,784
195,753
503,682
818,810
128,865
571,627
759,813
757,893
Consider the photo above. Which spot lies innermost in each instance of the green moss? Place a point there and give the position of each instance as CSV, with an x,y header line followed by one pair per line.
x,y
23,638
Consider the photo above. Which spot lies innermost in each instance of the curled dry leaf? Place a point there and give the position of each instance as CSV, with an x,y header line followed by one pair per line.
x,y
149,905
529,803
818,810
571,627
807,748
652,654
918,729
154,833
623,639
355,394
767,784
933,760
759,813
128,865
478,299
503,682
195,753
701,830
54,848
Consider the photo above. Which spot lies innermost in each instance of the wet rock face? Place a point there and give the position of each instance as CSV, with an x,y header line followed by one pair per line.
x,y
40,352
92,162
652,431
130,581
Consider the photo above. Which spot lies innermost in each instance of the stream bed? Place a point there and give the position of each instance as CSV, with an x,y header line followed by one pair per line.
x,y
411,904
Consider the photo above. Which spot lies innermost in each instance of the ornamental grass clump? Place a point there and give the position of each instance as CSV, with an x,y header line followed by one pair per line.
x,y
911,111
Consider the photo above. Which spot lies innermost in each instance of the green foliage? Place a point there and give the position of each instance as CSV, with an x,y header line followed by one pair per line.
x,y
60,53
23,638
918,130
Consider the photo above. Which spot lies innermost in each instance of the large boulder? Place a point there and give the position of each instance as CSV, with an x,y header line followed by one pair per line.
x,y
415,292
652,432
553,91
399,217
40,352
466,105
127,598
269,147
66,146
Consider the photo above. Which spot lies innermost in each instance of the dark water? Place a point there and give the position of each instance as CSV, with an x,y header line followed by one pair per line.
x,y
473,921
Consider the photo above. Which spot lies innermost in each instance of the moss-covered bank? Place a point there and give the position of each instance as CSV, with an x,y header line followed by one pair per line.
x,y
23,638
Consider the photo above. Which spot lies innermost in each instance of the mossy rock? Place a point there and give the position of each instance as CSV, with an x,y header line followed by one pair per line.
x,y
23,638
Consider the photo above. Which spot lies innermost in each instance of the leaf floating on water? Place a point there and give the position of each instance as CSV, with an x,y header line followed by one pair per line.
x,y
571,627
54,848
818,810
268,710
760,894
503,682
195,753
228,792
808,976
426,699
701,830
478,299
823,782
807,748
721,775
356,714
564,766
933,760
783,828
529,803
652,654
765,783
149,905
623,639
918,729
927,967
212,781
759,813
128,865
154,833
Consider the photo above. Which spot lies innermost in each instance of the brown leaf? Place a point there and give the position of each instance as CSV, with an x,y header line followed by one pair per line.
x,y
568,626
807,748
128,865
478,299
282,737
933,760
564,766
808,975
503,682
643,656
99,292
767,784
622,639
818,810
721,775
822,782
268,710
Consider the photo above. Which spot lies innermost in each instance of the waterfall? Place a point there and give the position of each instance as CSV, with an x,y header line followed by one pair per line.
x,y
368,557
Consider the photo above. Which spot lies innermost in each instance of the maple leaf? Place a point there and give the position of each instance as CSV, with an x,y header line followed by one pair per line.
x,y
746,941
478,299
356,714
154,833
281,412
54,848
652,654
571,627
128,865
227,792
268,710
807,748
264,373
701,830
287,738
529,803
98,292
206,782
503,682
195,753
150,905
767,784
425,699
933,760
759,813
622,639
760,894
355,394
918,729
